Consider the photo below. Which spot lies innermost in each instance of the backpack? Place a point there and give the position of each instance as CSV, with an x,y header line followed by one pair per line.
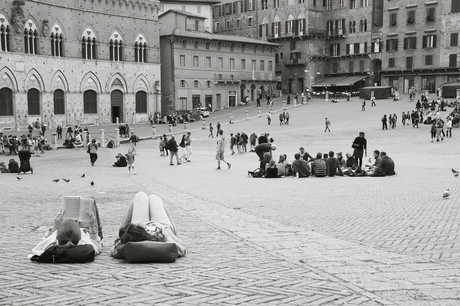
x,y
60,254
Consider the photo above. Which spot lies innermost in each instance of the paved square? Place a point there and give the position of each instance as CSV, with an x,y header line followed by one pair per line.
x,y
314,241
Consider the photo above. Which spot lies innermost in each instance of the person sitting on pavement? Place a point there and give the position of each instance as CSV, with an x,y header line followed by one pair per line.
x,y
341,160
265,160
68,233
318,166
373,166
121,161
351,166
270,169
13,166
283,166
147,219
301,167
332,165
387,165
3,168
305,155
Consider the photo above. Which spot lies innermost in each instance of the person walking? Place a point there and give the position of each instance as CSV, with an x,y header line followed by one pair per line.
x,y
373,101
328,124
172,147
449,127
188,146
210,130
130,160
59,131
384,122
220,150
92,150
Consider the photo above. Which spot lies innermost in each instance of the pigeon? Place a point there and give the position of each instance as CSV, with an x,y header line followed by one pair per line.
x,y
446,194
455,172
83,175
56,180
19,178
92,183
66,180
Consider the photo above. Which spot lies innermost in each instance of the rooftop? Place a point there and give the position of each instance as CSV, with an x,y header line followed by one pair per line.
x,y
182,13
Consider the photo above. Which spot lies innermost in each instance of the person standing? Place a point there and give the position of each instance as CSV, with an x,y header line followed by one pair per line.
x,y
281,118
210,130
286,118
245,138
252,141
217,128
134,139
92,150
258,101
59,131
384,122
269,117
288,99
449,127
373,101
328,124
130,160
188,145
43,128
233,142
363,106
69,133
220,150
359,147
172,147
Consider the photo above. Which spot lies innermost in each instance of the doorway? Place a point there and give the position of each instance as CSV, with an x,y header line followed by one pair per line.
x,y
116,102
208,102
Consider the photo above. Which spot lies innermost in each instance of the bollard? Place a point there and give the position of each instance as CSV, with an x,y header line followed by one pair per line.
x,y
259,112
102,144
90,138
271,109
203,124
170,129
284,105
117,137
84,140
55,140
118,121
185,126
231,118
247,115
154,131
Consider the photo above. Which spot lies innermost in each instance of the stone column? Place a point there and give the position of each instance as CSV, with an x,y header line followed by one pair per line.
x,y
102,138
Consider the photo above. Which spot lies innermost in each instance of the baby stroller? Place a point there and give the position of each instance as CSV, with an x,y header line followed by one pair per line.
x,y
24,157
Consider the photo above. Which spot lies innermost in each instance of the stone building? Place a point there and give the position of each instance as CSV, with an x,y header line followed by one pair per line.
x,y
79,62
201,8
201,69
421,44
333,43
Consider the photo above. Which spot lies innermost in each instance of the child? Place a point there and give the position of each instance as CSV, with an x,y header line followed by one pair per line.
x,y
130,159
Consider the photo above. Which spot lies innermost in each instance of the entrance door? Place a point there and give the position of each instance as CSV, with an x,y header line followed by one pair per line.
x,y
290,89
231,100
196,101
116,102
208,102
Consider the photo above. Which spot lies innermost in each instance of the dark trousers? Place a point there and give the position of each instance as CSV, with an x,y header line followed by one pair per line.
x,y
93,157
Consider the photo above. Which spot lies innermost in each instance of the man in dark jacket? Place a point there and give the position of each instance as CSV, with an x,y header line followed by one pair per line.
x,y
301,167
172,147
387,164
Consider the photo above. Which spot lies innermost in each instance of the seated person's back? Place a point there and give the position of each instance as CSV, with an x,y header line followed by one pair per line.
x,y
270,169
13,166
387,165
301,167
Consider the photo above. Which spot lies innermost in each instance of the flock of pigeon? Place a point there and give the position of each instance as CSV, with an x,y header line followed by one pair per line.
x,y
64,179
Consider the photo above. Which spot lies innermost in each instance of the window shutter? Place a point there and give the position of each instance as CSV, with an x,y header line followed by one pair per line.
x,y
424,42
273,29
343,25
372,47
296,27
365,47
388,45
336,27
331,48
260,30
405,42
434,40
286,27
347,47
338,49
396,42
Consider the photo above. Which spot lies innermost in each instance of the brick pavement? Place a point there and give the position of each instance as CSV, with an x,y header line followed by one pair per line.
x,y
369,241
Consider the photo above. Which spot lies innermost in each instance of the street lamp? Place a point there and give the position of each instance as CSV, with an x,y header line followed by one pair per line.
x,y
157,93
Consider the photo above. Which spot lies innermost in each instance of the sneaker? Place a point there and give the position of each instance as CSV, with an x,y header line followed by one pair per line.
x,y
178,163
218,168
229,166
171,164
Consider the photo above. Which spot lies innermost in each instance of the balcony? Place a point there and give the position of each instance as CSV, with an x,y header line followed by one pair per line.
x,y
239,77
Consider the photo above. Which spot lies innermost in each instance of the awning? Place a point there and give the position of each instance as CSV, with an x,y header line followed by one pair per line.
x,y
339,81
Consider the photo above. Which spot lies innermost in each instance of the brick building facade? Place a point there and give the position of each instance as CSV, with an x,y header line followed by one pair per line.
x,y
78,61
202,69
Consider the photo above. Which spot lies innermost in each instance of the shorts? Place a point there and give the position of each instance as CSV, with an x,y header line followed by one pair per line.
x,y
219,155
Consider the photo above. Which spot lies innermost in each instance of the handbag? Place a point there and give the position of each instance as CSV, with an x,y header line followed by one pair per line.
x,y
61,254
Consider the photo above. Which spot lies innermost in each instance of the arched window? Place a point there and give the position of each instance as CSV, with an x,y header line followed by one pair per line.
x,y
90,102
30,38
116,47
57,41
5,34
141,102
88,45
58,99
6,102
33,101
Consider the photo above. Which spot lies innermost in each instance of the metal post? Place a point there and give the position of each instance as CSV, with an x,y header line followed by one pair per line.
x,y
231,118
154,131
117,137
203,125
118,120
259,112
55,140
284,105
